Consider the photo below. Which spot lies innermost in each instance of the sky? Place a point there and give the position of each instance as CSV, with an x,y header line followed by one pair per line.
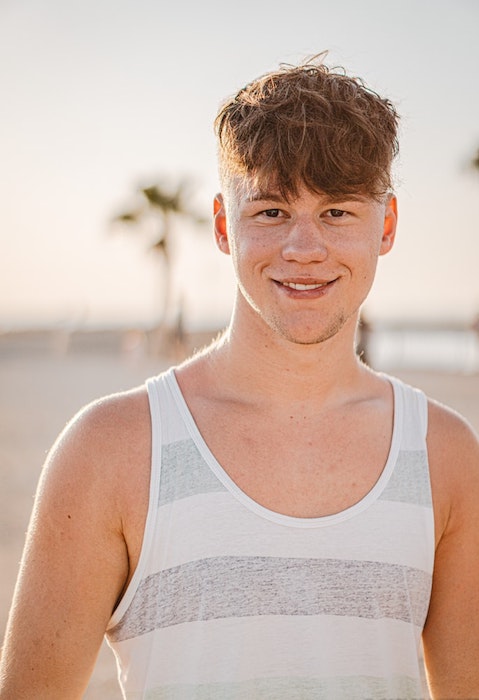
x,y
99,97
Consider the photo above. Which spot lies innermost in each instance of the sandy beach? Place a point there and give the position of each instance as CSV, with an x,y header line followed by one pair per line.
x,y
41,389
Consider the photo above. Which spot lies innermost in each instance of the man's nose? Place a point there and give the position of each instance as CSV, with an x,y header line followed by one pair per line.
x,y
305,242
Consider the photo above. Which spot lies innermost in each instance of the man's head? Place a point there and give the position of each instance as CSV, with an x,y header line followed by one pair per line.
x,y
308,126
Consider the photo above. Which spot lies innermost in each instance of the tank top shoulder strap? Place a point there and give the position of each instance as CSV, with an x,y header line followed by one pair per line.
x,y
409,481
411,405
161,409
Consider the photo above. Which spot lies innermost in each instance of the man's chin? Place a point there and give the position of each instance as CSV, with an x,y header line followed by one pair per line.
x,y
311,336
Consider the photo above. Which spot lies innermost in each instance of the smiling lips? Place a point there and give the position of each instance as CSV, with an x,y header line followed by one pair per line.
x,y
304,287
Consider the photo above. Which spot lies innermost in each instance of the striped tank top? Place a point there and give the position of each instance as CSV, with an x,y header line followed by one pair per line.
x,y
231,601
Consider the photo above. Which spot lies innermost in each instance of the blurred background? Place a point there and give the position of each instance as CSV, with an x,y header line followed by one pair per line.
x,y
103,98
108,270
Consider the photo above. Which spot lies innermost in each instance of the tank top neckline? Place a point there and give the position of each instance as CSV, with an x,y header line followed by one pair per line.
x,y
274,516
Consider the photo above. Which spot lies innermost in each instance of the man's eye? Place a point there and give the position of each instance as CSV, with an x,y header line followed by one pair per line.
x,y
272,213
337,213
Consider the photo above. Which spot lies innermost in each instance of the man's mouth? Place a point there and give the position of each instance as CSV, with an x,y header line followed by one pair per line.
x,y
304,287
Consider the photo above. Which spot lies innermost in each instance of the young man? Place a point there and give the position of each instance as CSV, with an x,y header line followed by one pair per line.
x,y
271,519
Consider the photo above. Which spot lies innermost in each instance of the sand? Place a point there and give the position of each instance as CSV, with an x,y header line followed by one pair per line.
x,y
41,389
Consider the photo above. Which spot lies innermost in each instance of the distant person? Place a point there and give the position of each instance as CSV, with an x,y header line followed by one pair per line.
x,y
364,330
271,518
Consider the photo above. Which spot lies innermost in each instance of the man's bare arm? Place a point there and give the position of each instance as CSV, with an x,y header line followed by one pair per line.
x,y
76,560
451,635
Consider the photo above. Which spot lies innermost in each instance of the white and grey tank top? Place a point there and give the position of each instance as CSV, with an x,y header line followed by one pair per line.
x,y
232,601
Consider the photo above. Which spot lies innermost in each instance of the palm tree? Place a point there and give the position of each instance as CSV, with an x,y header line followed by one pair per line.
x,y
153,215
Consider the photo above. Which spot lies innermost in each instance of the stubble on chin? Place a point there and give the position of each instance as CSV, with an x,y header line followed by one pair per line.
x,y
306,335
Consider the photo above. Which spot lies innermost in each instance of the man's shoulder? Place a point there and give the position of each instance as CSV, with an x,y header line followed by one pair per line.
x,y
109,436
448,430
453,448
114,417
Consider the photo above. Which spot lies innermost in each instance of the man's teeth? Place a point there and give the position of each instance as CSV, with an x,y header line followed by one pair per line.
x,y
303,287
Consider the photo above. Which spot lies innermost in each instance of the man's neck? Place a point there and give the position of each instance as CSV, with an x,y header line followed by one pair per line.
x,y
265,365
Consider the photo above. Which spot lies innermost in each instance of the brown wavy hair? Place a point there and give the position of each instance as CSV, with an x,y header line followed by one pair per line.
x,y
308,125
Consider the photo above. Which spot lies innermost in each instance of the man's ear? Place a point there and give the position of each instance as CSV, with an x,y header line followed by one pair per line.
x,y
390,223
221,234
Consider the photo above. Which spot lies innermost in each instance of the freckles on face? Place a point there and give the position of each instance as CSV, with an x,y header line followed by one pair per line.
x,y
303,267
314,230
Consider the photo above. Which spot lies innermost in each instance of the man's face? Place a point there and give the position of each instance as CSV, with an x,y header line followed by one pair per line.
x,y
303,267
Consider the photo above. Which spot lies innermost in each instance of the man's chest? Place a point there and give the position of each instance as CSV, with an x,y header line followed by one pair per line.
x,y
299,465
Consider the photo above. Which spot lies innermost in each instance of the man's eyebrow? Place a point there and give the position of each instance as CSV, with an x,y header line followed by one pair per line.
x,y
276,197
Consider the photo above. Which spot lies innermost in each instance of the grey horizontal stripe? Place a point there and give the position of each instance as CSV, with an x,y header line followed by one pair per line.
x,y
228,587
409,482
185,473
343,688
